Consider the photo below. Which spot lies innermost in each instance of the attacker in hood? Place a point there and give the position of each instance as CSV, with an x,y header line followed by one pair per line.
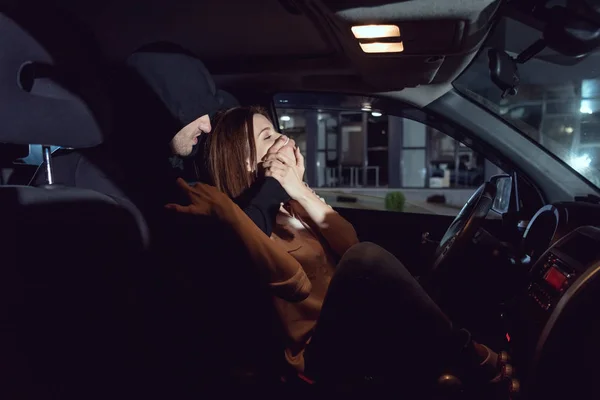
x,y
166,98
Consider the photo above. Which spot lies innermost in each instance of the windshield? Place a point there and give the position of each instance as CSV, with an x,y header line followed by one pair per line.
x,y
557,105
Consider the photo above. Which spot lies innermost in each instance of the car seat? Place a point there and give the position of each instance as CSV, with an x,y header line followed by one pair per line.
x,y
13,172
70,257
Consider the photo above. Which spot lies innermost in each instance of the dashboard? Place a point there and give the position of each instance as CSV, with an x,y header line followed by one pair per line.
x,y
554,221
553,324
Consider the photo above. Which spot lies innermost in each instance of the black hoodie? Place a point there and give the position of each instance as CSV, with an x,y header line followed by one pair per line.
x,y
162,89
184,88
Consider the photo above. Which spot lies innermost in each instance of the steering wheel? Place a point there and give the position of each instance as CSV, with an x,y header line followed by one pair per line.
x,y
464,227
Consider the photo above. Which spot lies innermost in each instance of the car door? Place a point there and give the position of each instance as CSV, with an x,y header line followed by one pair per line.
x,y
392,177
411,237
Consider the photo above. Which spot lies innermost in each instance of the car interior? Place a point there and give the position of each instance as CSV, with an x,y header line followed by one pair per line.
x,y
87,309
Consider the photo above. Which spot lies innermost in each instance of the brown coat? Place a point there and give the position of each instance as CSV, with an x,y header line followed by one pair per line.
x,y
298,261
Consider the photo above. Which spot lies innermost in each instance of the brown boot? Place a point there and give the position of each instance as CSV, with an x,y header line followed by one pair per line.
x,y
478,365
490,368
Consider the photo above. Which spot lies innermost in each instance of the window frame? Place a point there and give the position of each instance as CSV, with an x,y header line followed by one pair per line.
x,y
400,109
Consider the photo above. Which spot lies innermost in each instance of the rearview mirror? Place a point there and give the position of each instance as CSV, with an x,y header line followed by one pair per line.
x,y
588,8
503,184
504,72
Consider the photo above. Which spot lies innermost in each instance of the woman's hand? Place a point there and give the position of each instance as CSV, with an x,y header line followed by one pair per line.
x,y
293,153
300,168
286,170
288,147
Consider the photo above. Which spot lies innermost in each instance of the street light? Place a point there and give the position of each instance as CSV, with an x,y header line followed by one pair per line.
x,y
581,162
586,107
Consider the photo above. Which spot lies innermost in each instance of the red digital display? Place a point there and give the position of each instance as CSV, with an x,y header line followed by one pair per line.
x,y
555,278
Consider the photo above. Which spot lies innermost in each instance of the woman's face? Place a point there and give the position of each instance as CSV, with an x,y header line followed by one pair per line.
x,y
264,135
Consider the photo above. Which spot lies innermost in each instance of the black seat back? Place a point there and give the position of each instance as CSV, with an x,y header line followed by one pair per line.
x,y
67,296
13,172
68,257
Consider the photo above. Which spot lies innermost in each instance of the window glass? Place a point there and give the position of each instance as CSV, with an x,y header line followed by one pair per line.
x,y
558,99
353,150
413,168
413,134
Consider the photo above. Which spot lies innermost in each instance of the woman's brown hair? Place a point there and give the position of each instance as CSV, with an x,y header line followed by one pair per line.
x,y
228,148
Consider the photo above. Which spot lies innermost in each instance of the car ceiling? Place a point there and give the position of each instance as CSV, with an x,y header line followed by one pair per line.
x,y
277,45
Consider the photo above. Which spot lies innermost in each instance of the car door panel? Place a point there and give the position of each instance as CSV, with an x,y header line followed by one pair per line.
x,y
402,233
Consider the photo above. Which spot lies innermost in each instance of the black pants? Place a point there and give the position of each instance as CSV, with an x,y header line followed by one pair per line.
x,y
378,322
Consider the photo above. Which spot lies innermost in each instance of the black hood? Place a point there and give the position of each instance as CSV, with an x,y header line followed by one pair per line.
x,y
179,82
162,88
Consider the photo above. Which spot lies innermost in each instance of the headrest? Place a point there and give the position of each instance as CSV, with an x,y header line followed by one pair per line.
x,y
49,90
12,152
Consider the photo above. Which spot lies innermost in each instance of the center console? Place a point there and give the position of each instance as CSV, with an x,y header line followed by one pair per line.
x,y
551,280
551,322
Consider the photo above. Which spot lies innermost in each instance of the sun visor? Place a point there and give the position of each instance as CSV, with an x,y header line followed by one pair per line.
x,y
49,88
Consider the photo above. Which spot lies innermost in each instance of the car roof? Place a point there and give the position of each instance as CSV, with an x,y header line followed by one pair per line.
x,y
287,45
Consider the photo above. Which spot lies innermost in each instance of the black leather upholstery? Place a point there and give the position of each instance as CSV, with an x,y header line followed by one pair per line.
x,y
69,257
12,152
17,174
40,64
10,171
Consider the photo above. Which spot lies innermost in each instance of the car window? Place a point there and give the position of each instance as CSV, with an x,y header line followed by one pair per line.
x,y
557,104
360,157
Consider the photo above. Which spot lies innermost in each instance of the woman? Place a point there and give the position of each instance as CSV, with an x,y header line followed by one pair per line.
x,y
351,310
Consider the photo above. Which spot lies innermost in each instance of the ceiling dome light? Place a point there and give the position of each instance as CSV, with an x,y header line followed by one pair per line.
x,y
376,114
285,118
375,31
382,47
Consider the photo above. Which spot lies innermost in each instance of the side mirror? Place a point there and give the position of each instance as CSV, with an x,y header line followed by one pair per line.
x,y
503,184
